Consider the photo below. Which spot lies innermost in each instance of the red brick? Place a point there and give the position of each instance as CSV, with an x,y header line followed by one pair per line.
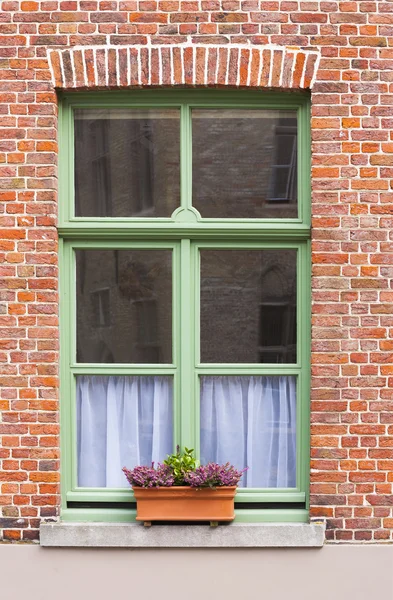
x,y
352,374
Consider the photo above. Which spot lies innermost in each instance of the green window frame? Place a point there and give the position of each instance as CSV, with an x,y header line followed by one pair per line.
x,y
185,234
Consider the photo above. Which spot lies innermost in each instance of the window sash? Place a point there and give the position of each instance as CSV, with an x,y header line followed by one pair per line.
x,y
185,236
185,368
186,101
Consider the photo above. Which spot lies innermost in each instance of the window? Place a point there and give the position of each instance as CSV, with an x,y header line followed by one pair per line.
x,y
284,171
185,292
101,308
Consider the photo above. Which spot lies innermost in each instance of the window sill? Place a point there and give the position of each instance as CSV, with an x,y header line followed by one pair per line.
x,y
134,535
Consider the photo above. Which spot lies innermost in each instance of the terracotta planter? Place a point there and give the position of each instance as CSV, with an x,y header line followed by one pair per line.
x,y
180,503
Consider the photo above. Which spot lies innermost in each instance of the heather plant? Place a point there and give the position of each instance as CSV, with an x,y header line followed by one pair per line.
x,y
148,477
182,468
214,475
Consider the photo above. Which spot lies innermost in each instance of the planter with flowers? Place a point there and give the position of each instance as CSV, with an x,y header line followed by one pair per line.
x,y
182,490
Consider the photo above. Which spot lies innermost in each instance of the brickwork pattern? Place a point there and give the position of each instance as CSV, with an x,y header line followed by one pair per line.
x,y
352,150
183,64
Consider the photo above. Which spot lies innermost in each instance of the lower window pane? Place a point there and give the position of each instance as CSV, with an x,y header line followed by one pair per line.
x,y
122,421
251,421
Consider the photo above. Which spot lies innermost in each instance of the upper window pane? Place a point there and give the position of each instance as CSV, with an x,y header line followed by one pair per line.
x,y
124,306
248,306
127,162
244,163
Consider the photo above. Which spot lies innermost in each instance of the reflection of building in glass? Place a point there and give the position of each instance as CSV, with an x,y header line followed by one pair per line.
x,y
127,163
124,306
248,306
277,317
147,327
244,164
283,187
238,290
100,301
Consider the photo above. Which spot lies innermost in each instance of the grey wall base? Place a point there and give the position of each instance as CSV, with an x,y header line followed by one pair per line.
x,y
334,572
135,535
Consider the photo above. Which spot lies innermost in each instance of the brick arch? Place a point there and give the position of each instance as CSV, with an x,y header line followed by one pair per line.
x,y
200,65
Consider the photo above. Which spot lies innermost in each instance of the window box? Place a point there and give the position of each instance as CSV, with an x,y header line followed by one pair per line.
x,y
183,503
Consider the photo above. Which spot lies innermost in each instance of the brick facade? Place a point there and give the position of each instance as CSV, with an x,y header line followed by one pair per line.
x,y
342,52
183,64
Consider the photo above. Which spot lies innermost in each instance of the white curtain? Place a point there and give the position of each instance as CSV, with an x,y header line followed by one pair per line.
x,y
122,421
251,421
127,421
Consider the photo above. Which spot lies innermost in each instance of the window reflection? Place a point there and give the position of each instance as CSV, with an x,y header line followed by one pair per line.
x,y
284,170
124,306
248,306
127,163
244,163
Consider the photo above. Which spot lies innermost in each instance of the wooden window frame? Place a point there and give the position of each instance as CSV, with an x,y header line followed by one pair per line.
x,y
185,233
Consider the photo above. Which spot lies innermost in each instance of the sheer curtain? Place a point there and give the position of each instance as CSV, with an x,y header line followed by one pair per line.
x,y
122,421
251,421
127,421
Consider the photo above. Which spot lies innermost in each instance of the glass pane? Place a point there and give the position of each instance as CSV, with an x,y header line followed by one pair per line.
x,y
127,162
251,422
244,163
121,422
248,306
124,306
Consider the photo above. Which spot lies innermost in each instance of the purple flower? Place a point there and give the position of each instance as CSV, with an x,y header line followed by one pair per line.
x,y
210,475
214,475
149,477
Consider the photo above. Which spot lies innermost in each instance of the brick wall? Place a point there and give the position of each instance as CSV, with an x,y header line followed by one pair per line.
x,y
352,117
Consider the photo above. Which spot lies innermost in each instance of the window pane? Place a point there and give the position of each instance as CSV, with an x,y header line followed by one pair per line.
x,y
127,162
248,306
251,422
244,163
121,422
124,306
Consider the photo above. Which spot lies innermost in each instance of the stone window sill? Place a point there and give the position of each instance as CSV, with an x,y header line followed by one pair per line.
x,y
134,535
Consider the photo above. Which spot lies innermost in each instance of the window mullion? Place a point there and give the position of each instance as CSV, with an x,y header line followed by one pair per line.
x,y
185,157
187,400
186,358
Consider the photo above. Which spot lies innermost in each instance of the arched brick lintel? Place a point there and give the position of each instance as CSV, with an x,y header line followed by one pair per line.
x,y
199,65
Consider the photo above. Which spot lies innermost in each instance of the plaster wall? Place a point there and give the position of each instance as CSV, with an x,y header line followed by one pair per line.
x,y
335,571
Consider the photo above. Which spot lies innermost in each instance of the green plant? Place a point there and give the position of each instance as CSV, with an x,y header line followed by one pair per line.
x,y
181,463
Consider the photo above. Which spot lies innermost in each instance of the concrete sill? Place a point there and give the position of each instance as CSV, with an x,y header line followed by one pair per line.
x,y
135,535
